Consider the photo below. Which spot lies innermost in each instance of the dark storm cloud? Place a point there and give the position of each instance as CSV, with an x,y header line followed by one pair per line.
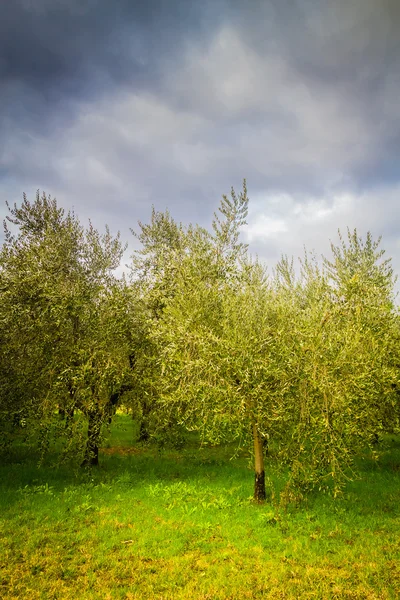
x,y
56,53
58,50
47,42
112,105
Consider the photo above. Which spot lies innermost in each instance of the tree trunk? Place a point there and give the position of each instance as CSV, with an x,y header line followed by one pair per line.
x,y
259,482
144,434
111,406
93,440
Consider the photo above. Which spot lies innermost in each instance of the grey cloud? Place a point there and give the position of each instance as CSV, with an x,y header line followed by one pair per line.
x,y
113,106
299,79
349,51
314,83
53,53
280,128
59,55
328,40
45,43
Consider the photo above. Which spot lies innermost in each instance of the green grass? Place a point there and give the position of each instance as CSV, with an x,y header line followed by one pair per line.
x,y
181,525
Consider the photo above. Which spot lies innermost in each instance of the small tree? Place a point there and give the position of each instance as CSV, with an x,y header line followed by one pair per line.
x,y
213,333
363,282
58,298
285,357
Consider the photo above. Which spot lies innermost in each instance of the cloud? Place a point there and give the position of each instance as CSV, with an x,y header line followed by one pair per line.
x,y
71,43
287,96
286,224
114,106
287,120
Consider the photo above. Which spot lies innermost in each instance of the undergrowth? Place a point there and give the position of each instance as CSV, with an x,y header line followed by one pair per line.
x,y
171,525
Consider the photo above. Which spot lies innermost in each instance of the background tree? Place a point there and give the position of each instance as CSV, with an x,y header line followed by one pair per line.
x,y
59,319
155,273
363,284
152,281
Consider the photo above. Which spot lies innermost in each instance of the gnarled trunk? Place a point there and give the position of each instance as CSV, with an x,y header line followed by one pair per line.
x,y
144,433
259,481
93,439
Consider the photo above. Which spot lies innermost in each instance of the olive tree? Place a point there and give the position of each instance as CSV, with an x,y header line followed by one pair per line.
x,y
216,338
62,315
363,291
296,359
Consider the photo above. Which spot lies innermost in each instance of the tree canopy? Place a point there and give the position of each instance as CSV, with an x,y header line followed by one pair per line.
x,y
200,337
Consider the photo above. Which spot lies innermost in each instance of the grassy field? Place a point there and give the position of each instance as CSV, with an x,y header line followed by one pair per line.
x,y
181,525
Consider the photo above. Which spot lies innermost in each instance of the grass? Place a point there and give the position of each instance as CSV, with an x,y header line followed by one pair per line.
x,y
180,524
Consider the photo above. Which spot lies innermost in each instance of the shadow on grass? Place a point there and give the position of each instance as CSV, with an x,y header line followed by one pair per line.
x,y
130,466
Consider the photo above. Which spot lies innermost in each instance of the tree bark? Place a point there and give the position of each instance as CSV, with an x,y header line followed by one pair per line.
x,y
144,434
259,481
93,440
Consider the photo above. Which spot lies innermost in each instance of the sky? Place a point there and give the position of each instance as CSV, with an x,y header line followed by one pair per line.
x,y
112,107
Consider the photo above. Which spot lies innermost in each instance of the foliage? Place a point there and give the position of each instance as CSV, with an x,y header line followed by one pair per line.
x,y
61,314
312,367
200,338
166,249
